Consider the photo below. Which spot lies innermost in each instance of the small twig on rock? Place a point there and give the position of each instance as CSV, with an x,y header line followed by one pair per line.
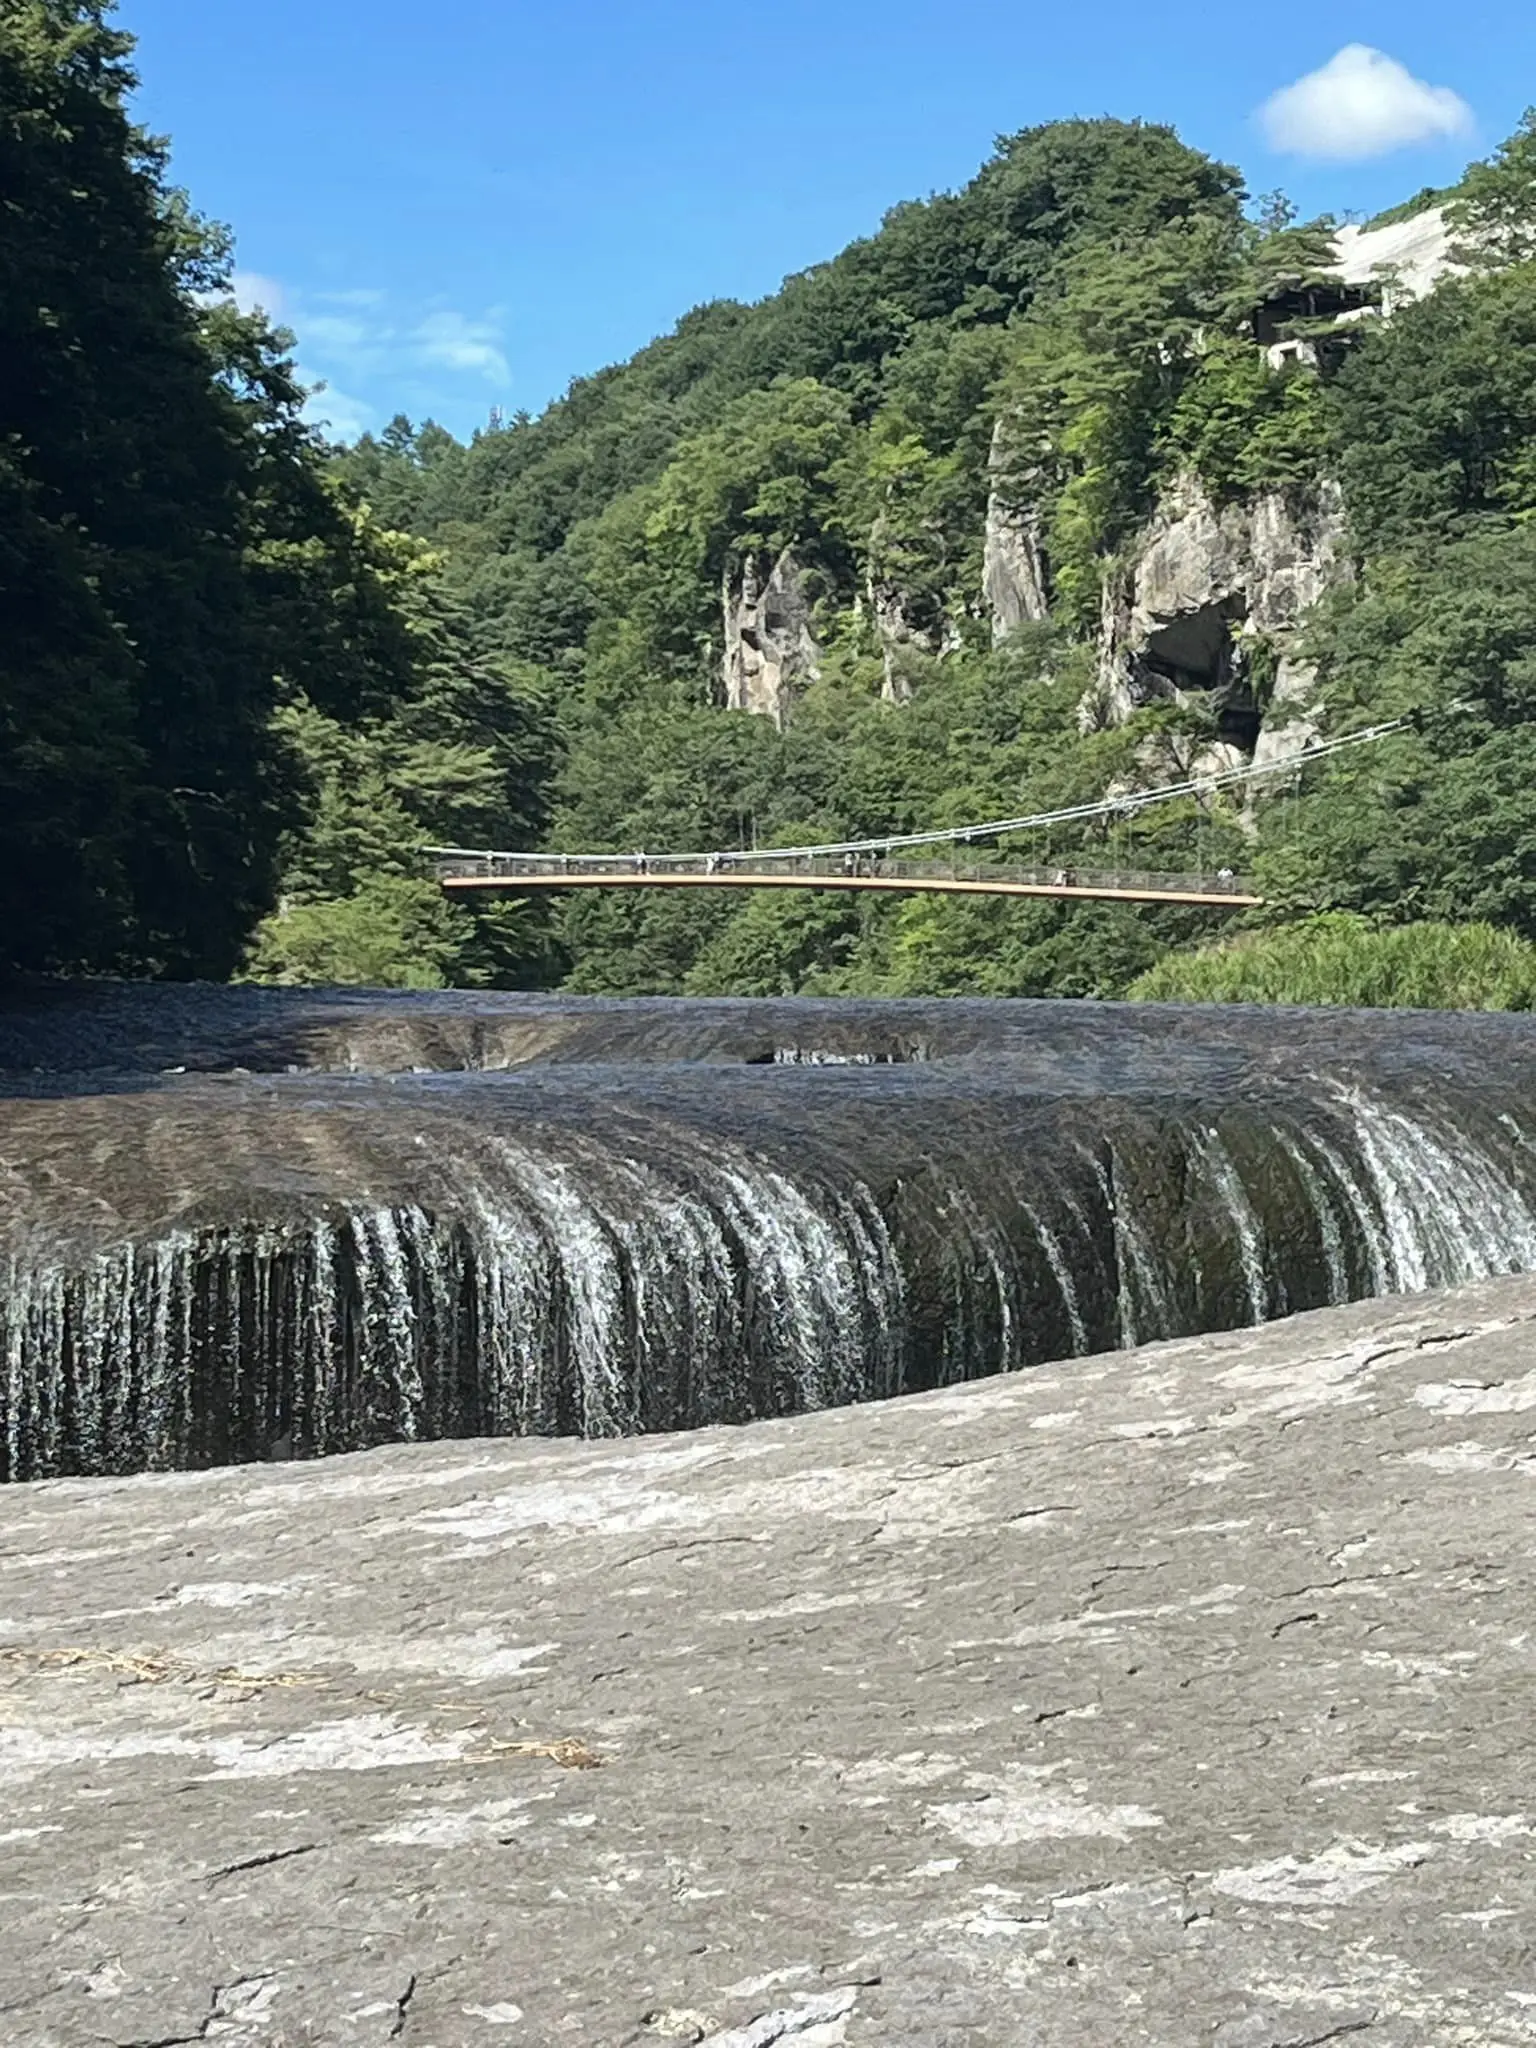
x,y
569,1751
147,1667
262,1862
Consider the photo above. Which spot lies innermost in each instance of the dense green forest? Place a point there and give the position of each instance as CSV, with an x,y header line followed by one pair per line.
x,y
247,677
224,684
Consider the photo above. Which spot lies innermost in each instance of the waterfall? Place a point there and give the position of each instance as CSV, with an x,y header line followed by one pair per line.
x,y
1318,1195
1142,1307
311,1266
558,1299
1246,1228
1448,1212
1061,1273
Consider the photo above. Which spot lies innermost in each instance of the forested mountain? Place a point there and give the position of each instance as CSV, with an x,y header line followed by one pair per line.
x,y
906,510
846,427
1066,344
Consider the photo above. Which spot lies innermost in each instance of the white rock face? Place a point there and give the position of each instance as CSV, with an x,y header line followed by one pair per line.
x,y
1015,580
771,651
1207,585
1410,257
891,613
1284,737
1013,575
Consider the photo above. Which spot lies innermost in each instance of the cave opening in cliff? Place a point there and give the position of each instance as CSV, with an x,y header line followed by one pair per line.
x,y
1198,650
1194,650
1238,721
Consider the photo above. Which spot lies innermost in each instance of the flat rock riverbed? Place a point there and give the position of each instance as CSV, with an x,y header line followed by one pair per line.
x,y
1176,1696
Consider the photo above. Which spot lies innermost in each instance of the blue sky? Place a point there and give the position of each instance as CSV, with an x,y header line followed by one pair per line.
x,y
466,204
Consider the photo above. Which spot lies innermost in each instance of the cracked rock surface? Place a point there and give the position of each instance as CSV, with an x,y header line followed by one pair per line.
x,y
1181,1696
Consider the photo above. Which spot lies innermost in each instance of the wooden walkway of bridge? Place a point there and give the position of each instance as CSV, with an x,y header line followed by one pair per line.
x,y
462,870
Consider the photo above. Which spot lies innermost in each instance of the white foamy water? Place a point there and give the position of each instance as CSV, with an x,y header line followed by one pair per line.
x,y
641,1273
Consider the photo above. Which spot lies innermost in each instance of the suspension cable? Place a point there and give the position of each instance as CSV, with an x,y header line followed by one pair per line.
x,y
1117,807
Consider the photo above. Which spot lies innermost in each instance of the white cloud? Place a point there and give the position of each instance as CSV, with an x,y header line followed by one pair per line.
x,y
1361,103
407,359
343,418
252,292
452,342
362,338
342,337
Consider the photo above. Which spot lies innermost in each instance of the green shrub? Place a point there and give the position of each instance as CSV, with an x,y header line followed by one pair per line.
x,y
391,932
1338,958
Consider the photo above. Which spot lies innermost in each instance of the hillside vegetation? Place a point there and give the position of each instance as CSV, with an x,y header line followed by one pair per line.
x,y
248,677
1339,958
221,679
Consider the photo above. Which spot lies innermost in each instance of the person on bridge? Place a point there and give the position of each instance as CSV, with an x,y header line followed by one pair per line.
x,y
641,864
850,864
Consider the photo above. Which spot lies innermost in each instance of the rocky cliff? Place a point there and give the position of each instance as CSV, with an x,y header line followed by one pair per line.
x,y
1209,603
1405,258
771,650
1205,605
1211,594
1015,573
900,621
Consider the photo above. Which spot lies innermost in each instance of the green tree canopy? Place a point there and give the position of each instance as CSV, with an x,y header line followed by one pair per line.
x,y
188,598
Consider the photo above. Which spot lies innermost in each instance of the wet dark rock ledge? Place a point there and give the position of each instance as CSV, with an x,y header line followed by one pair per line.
x,y
1175,1697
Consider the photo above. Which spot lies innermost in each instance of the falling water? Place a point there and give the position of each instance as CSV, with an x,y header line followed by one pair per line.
x,y
1449,1213
1321,1203
1142,1306
1248,1231
1061,1272
584,1245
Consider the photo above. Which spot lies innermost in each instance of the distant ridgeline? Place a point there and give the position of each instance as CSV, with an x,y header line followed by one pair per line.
x,y
1087,477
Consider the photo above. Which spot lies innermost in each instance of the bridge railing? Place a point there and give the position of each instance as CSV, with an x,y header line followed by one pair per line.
x,y
467,863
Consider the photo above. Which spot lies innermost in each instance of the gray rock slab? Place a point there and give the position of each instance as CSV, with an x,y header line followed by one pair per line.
x,y
1183,1696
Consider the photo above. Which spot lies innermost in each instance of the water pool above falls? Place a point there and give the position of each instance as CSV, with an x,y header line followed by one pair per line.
x,y
367,1218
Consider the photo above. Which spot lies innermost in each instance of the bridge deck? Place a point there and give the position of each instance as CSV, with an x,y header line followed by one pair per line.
x,y
464,872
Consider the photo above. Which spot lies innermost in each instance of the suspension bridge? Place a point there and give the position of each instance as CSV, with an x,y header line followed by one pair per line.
x,y
461,870
888,863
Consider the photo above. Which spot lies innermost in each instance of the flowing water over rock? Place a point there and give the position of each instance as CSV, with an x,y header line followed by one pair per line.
x,y
238,1224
